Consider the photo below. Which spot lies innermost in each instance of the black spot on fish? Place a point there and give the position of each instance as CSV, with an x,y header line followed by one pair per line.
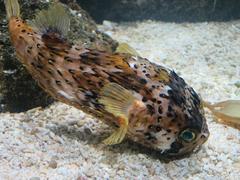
x,y
159,118
58,83
33,64
160,110
59,72
150,127
81,68
143,81
39,66
50,72
135,66
68,82
170,108
158,128
51,61
118,67
169,114
144,99
154,100
68,59
72,71
150,109
28,51
148,75
41,55
23,31
84,55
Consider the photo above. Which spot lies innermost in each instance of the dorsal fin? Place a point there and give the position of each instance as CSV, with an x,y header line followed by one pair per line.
x,y
53,24
12,8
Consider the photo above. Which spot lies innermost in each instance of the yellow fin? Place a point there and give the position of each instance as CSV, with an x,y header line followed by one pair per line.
x,y
227,111
117,101
55,18
125,48
12,8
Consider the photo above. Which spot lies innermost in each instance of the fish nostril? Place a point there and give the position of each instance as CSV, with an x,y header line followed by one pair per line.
x,y
204,135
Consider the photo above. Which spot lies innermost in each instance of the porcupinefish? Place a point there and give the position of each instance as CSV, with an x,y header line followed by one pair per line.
x,y
145,102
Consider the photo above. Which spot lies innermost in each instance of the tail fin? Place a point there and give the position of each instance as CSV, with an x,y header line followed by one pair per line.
x,y
55,18
12,8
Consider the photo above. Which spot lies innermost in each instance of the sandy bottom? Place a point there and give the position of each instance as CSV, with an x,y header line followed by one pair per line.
x,y
61,142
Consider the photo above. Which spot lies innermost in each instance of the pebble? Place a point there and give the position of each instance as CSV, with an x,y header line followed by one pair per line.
x,y
89,172
237,84
53,164
34,178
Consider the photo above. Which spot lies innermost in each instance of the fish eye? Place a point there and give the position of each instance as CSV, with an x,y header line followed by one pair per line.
x,y
187,135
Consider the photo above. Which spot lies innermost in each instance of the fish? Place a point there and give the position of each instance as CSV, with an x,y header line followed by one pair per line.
x,y
227,112
140,101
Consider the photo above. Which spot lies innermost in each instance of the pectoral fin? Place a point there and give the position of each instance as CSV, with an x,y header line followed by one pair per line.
x,y
117,101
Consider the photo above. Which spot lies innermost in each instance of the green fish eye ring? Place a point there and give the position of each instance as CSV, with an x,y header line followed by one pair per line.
x,y
187,135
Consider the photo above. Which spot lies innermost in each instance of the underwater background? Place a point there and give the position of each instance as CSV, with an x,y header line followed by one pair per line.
x,y
200,40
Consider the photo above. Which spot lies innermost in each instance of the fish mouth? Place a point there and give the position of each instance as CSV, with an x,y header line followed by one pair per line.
x,y
181,155
179,151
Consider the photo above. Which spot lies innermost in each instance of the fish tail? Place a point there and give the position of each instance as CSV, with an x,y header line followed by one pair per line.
x,y
12,8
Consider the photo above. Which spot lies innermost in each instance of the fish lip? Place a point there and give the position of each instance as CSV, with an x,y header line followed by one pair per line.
x,y
181,155
175,156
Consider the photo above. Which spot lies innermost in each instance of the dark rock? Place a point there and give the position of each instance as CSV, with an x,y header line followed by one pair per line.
x,y
164,10
18,91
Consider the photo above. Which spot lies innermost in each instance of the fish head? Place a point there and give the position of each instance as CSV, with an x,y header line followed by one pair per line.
x,y
183,121
176,125
189,133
